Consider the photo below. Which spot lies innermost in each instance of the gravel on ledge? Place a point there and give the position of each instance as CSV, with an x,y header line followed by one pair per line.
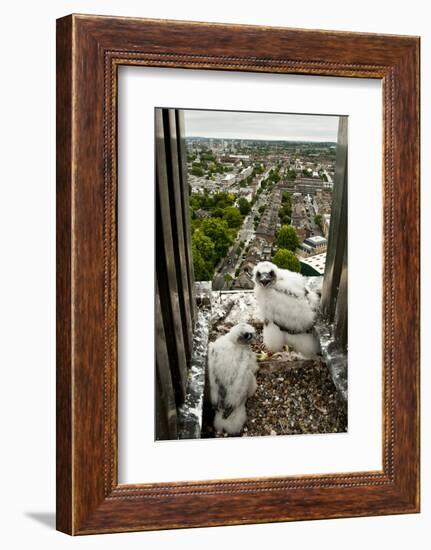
x,y
296,397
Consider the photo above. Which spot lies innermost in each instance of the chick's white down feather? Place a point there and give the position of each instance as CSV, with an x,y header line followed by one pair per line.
x,y
274,339
231,368
286,301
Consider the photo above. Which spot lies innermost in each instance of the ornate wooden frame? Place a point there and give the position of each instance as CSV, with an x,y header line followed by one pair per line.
x,y
89,51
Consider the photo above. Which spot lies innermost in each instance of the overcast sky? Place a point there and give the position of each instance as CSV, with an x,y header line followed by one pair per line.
x,y
225,124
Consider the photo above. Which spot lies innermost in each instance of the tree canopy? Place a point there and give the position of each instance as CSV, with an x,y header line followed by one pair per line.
x,y
318,220
274,176
286,259
244,206
285,212
287,238
291,174
203,270
212,233
197,171
232,216
218,231
204,245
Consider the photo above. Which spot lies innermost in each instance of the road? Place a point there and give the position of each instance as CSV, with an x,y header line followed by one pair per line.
x,y
310,213
246,233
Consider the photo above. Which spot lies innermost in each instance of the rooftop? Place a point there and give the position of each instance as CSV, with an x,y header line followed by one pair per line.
x,y
316,240
316,262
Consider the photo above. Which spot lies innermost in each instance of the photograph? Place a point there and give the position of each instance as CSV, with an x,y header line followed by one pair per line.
x,y
251,238
237,273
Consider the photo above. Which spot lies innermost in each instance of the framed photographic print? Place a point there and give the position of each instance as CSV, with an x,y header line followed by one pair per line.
x,y
237,274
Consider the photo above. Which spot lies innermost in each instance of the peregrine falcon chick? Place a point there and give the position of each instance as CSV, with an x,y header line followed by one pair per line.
x,y
288,306
232,366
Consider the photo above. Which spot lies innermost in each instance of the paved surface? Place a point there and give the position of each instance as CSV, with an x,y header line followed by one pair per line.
x,y
246,233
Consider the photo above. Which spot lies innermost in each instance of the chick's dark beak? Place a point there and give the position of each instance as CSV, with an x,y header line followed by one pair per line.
x,y
265,280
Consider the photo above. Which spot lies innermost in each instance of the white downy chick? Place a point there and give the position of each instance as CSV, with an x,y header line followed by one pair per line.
x,y
232,366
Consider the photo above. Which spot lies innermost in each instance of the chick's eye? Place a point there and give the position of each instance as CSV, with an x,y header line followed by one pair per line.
x,y
272,273
258,274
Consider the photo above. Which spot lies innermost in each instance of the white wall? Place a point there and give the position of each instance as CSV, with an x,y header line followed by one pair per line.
x,y
27,117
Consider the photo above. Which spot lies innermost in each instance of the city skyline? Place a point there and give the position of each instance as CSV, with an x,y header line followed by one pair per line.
x,y
261,126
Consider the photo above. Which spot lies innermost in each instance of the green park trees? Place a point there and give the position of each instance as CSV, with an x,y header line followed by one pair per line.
x,y
232,217
203,252
213,230
244,206
274,175
286,259
287,238
285,212
291,174
203,270
287,243
197,170
218,231
210,243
